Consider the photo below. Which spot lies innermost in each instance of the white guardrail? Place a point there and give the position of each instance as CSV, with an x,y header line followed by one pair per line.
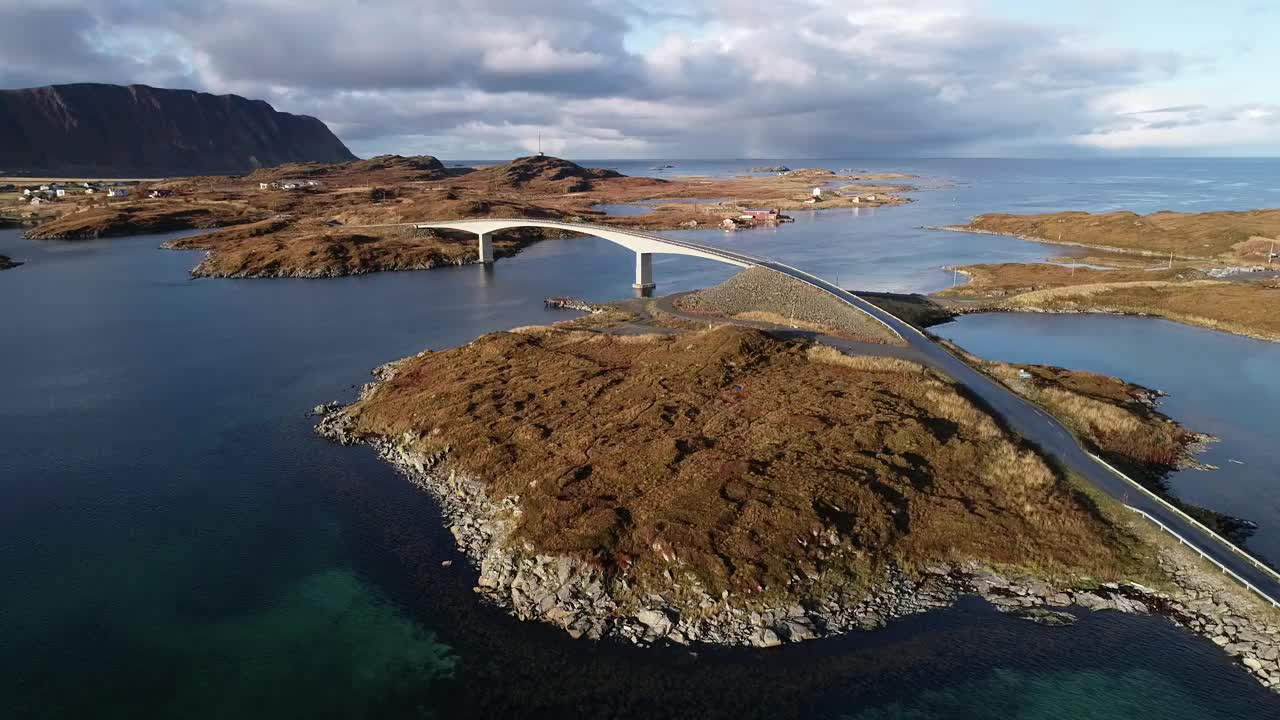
x,y
1203,528
814,281
1224,568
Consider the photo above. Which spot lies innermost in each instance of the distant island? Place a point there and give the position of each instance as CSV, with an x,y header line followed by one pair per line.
x,y
98,130
329,219
1217,269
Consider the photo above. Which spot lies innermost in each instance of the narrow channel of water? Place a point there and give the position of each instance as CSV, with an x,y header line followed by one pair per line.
x,y
175,542
1221,384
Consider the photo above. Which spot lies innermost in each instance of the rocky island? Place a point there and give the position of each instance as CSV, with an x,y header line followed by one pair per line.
x,y
636,475
1213,269
329,219
6,263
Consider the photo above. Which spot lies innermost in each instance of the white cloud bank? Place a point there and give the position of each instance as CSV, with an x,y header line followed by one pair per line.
x,y
483,78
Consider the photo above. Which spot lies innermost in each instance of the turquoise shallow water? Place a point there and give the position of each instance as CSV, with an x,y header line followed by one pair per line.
x,y
174,540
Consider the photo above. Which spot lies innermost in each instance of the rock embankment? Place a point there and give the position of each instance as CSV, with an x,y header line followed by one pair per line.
x,y
671,489
575,596
6,263
568,303
760,290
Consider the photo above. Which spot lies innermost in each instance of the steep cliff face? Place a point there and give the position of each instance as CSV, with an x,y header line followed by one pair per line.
x,y
113,130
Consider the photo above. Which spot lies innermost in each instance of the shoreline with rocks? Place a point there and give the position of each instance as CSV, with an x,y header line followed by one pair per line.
x,y
577,597
201,271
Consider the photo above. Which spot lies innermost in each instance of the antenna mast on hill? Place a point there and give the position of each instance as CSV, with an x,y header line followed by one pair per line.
x,y
539,144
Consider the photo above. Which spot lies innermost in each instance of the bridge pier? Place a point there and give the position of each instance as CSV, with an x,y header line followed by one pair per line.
x,y
644,271
486,248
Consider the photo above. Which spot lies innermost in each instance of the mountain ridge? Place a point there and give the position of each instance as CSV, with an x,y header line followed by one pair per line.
x,y
95,129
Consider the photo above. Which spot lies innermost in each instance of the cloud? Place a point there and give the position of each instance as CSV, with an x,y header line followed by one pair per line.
x,y
1170,109
727,78
1201,129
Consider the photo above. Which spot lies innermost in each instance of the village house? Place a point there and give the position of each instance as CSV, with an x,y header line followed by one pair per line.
x,y
160,193
37,200
117,193
769,215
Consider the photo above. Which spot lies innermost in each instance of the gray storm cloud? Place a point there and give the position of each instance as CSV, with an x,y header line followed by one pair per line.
x,y
604,79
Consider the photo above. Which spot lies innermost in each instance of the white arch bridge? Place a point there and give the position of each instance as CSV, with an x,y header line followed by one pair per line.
x,y
644,246
1027,419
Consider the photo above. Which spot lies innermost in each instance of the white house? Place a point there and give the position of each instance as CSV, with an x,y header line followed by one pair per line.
x,y
117,193
38,201
264,186
61,192
817,192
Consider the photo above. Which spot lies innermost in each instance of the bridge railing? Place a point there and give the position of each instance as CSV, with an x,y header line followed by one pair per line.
x,y
1255,562
821,284
1226,570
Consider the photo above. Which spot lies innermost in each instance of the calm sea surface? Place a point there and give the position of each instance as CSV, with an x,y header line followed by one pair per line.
x,y
174,541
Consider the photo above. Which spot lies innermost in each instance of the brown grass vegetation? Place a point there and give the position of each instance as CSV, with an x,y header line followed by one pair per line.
x,y
1119,420
864,363
751,462
106,219
317,250
1006,279
1226,235
290,237
1182,294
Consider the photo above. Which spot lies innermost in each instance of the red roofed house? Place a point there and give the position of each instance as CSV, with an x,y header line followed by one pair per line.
x,y
770,215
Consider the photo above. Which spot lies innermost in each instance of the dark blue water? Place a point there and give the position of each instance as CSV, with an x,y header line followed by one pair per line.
x,y
1221,384
174,541
889,248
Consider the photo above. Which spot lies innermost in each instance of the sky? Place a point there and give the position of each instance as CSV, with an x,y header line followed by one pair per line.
x,y
484,79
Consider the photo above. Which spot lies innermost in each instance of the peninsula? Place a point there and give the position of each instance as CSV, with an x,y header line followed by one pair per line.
x,y
1216,269
323,220
649,473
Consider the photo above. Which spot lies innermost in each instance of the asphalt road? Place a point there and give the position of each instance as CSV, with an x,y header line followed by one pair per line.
x,y
1038,427
1021,416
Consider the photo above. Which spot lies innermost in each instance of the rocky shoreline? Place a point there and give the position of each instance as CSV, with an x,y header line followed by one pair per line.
x,y
7,264
199,271
576,596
